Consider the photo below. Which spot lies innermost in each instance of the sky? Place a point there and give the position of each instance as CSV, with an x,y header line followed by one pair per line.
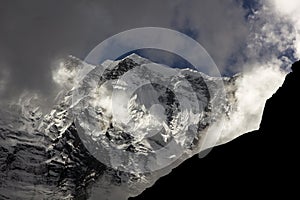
x,y
238,34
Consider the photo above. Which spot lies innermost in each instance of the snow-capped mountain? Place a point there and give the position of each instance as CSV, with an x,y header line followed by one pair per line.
x,y
119,126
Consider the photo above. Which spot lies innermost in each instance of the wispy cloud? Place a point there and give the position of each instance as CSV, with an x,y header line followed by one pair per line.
x,y
290,10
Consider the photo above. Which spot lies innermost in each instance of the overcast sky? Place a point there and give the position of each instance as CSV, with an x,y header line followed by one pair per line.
x,y
34,34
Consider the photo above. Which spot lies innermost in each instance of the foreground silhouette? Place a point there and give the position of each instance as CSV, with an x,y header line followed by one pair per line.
x,y
262,163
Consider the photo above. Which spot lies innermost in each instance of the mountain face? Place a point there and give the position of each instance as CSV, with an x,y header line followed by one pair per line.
x,y
259,164
87,146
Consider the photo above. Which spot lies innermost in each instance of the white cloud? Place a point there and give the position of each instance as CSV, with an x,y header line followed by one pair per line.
x,y
254,87
287,7
4,77
265,66
291,10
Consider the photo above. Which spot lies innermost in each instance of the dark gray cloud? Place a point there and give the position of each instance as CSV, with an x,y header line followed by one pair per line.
x,y
218,25
34,33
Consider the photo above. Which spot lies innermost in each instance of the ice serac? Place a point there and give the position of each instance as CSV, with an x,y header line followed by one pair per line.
x,y
109,125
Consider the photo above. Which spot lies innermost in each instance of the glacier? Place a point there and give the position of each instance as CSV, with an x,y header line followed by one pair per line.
x,y
112,134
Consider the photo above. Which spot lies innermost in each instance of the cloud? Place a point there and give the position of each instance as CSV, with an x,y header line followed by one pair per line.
x,y
290,10
257,85
220,26
35,34
270,49
272,37
4,76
